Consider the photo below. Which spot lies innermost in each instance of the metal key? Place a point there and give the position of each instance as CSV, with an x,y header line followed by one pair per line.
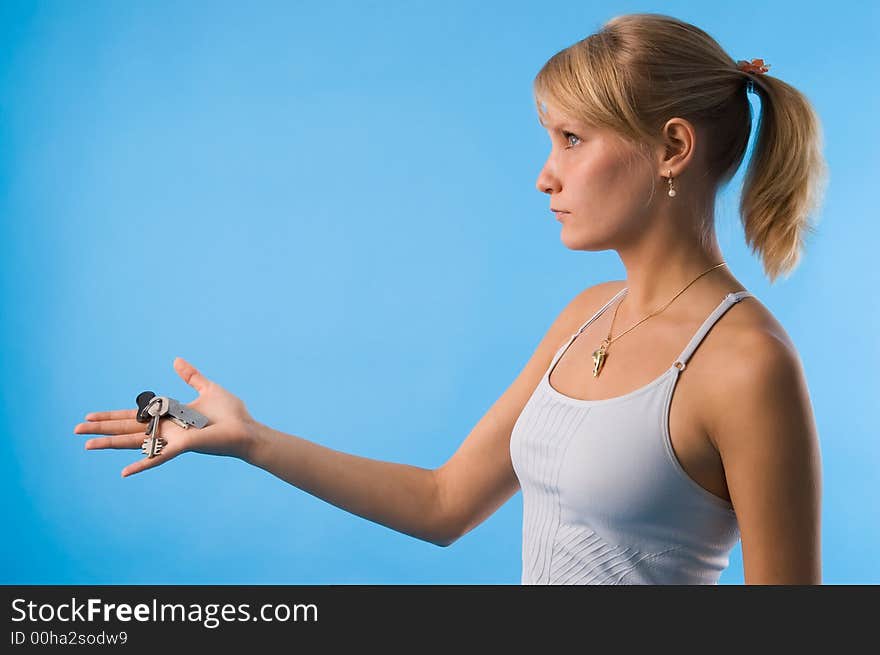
x,y
183,416
153,444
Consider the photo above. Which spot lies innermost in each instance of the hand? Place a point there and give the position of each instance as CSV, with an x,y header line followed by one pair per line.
x,y
229,430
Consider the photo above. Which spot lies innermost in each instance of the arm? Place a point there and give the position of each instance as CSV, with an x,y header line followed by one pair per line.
x,y
479,477
434,505
399,496
768,443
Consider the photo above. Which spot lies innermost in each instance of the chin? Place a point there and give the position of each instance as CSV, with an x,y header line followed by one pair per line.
x,y
583,242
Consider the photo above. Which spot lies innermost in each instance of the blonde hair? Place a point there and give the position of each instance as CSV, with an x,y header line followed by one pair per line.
x,y
640,70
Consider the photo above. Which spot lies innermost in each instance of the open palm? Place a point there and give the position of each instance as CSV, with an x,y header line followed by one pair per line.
x,y
227,433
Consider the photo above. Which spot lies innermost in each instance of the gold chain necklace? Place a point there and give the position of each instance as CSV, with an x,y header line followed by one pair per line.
x,y
600,354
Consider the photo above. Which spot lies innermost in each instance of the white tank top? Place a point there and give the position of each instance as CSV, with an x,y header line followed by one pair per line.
x,y
605,500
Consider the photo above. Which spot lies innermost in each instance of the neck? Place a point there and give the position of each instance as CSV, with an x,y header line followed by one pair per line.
x,y
657,269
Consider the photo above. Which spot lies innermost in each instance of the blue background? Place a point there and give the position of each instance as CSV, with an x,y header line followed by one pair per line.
x,y
330,209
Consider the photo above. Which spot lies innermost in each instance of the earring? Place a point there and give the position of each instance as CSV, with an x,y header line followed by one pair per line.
x,y
671,191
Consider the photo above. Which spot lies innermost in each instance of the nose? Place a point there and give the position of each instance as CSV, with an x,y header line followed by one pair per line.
x,y
547,182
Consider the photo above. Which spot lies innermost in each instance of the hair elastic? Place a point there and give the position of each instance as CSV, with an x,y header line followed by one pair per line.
x,y
756,66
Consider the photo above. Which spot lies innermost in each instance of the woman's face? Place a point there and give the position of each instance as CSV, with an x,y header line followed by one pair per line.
x,y
599,181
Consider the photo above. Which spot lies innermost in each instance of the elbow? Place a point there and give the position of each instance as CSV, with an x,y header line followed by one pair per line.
x,y
444,537
444,542
445,526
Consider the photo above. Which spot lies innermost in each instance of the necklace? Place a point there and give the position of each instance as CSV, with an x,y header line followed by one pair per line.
x,y
600,354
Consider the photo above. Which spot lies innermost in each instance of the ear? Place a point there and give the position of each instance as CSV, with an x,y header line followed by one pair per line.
x,y
679,147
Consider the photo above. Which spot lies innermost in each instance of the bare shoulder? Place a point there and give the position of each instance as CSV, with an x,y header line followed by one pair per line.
x,y
746,329
574,314
764,430
589,301
761,365
754,333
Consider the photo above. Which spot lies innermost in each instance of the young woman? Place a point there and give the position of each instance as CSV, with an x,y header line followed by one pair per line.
x,y
673,421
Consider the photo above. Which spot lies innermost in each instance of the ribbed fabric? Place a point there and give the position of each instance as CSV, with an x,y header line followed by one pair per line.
x,y
605,500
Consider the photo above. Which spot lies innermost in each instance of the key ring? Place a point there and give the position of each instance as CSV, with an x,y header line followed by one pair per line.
x,y
143,415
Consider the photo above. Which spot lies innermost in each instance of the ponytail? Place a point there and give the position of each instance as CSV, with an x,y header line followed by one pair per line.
x,y
786,177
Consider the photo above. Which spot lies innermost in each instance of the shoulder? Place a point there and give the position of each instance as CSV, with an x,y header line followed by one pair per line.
x,y
761,359
763,381
577,311
590,300
750,341
765,433
756,346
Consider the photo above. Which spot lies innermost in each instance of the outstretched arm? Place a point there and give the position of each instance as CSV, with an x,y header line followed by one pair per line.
x,y
436,505
398,496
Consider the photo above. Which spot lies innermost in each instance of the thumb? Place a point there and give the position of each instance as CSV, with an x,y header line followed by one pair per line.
x,y
190,374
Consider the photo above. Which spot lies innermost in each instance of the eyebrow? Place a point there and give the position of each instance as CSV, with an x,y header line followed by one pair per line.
x,y
560,125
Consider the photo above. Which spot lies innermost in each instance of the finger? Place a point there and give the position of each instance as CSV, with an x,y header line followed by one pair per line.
x,y
149,462
120,441
190,374
113,414
116,426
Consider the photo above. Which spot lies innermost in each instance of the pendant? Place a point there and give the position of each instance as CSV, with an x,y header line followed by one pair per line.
x,y
599,358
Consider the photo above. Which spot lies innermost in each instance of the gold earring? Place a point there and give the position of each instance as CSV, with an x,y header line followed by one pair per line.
x,y
671,189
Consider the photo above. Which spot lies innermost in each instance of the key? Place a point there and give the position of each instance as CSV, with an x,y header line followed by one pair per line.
x,y
166,410
153,444
152,409
185,416
182,415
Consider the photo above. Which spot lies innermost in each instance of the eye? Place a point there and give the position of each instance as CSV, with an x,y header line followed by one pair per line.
x,y
567,135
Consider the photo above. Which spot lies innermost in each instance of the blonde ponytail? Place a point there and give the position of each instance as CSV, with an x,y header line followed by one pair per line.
x,y
786,176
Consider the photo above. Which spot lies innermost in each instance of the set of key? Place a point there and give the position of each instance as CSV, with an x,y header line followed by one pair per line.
x,y
153,408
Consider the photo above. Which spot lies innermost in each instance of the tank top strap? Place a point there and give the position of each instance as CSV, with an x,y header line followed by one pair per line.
x,y
729,301
584,326
599,312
